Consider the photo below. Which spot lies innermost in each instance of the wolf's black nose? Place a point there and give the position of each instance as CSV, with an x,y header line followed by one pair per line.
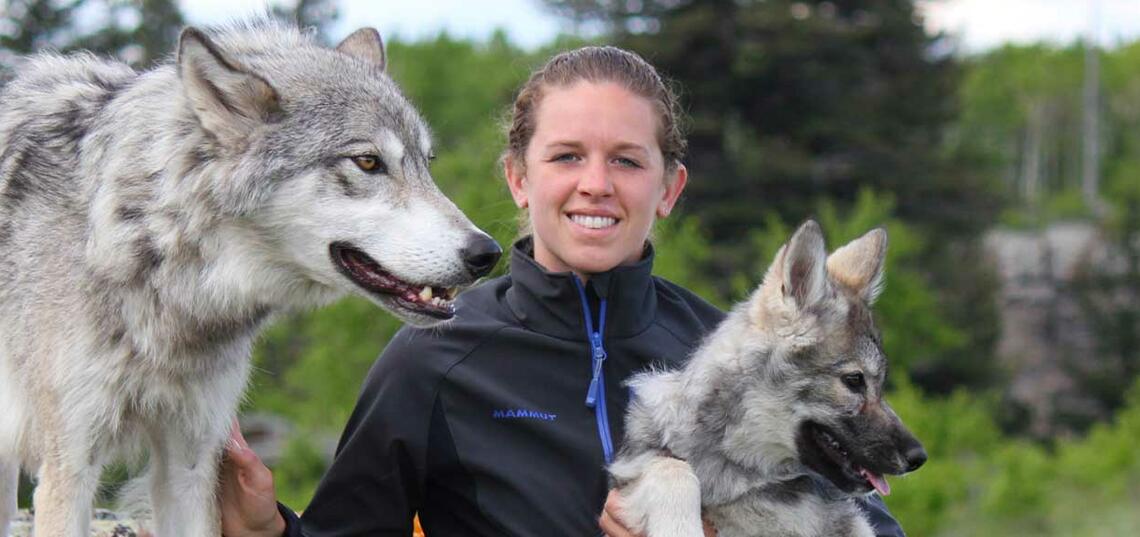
x,y
480,254
915,457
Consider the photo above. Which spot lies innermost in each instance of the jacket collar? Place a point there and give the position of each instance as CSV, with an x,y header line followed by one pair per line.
x,y
548,302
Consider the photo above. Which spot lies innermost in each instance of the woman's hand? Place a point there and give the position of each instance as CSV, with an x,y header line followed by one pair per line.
x,y
611,524
248,502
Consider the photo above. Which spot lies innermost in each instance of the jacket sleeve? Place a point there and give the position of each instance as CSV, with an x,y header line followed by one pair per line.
x,y
292,521
374,484
883,523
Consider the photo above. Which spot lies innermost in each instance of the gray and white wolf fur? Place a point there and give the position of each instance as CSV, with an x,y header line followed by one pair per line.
x,y
151,222
778,420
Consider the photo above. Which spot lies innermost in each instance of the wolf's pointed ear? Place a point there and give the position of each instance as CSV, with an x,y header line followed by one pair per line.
x,y
861,264
229,101
802,263
365,44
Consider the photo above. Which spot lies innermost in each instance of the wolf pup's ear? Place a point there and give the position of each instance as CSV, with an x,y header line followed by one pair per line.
x,y
366,45
228,100
803,265
861,265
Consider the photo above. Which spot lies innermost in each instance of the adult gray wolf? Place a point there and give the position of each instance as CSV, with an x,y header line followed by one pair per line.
x,y
151,222
778,420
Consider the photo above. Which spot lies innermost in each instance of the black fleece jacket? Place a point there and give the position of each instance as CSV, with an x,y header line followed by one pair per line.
x,y
482,427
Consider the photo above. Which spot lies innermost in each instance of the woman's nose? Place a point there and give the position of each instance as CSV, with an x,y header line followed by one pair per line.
x,y
595,180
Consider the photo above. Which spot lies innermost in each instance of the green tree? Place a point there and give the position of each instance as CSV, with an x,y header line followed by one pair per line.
x,y
136,31
1020,122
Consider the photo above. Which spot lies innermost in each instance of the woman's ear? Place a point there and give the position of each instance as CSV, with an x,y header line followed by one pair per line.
x,y
672,190
516,181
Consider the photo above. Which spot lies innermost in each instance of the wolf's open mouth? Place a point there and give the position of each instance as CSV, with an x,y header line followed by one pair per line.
x,y
364,271
824,453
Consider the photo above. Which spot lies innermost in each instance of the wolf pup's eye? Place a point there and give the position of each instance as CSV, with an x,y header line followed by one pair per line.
x,y
370,163
855,381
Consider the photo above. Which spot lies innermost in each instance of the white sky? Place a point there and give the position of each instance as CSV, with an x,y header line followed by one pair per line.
x,y
977,24
982,24
526,22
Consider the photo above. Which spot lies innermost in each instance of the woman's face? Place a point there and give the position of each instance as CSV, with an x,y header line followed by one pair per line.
x,y
594,178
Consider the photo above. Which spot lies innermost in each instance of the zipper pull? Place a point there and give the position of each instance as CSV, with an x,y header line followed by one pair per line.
x,y
596,343
599,355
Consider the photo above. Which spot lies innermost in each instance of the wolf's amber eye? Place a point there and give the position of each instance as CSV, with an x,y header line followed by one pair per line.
x,y
855,381
370,163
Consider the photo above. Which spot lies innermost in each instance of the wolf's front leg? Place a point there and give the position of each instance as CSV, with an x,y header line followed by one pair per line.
x,y
661,496
66,487
184,480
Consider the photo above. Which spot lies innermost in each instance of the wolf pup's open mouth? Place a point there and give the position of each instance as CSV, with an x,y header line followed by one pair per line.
x,y
822,451
364,271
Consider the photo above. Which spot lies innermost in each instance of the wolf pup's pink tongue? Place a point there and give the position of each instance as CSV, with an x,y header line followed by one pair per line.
x,y
877,481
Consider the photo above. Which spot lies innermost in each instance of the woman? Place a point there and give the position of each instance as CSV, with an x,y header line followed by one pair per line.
x,y
501,422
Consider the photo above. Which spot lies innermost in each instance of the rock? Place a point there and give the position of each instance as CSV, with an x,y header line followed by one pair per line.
x,y
104,523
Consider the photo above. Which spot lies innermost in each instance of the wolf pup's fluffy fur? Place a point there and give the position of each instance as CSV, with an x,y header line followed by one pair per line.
x,y
151,222
779,419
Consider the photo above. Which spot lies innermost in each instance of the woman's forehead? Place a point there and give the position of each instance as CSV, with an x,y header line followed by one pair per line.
x,y
589,111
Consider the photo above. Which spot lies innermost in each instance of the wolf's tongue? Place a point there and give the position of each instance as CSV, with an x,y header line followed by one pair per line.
x,y
877,481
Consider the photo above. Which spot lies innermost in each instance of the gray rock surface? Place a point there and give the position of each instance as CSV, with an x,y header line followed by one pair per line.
x,y
104,524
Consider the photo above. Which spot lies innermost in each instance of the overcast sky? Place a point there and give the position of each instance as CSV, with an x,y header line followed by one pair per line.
x,y
977,24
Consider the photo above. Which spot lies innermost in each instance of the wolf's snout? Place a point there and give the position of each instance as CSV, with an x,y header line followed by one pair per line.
x,y
480,254
915,457
911,450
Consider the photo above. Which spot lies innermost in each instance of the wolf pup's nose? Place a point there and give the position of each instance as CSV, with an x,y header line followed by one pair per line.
x,y
915,457
480,254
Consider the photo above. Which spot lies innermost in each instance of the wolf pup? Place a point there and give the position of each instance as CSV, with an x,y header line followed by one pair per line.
x,y
151,222
778,421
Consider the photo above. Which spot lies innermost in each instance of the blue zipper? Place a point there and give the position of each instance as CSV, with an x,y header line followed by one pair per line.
x,y
596,393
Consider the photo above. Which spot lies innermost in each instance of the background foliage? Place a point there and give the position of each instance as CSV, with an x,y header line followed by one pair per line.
x,y
842,110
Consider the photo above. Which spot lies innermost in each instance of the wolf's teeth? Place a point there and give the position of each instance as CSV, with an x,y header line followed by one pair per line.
x,y
451,292
425,294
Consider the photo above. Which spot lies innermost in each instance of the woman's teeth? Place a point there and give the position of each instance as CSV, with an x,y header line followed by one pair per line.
x,y
593,222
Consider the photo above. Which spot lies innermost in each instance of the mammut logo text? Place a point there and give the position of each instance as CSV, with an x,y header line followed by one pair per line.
x,y
522,413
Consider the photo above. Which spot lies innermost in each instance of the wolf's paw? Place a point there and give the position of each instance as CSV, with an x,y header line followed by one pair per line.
x,y
665,501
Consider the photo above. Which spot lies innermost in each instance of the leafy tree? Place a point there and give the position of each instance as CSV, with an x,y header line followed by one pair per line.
x,y
978,482
1021,121
137,31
